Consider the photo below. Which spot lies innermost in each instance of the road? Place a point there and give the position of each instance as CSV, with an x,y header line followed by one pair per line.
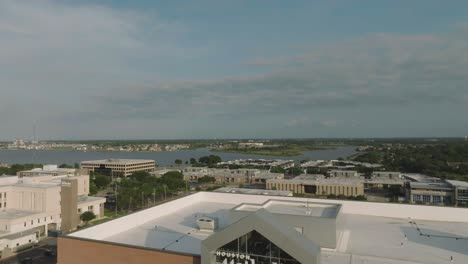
x,y
37,254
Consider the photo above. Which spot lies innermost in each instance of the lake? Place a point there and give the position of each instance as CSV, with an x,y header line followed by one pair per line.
x,y
164,158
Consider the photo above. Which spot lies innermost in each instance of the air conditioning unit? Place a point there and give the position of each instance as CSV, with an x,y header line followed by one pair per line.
x,y
209,224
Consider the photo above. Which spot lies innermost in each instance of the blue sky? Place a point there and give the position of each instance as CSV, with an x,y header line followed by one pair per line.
x,y
229,69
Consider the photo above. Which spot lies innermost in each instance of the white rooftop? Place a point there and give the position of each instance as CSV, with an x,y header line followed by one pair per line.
x,y
378,233
15,213
293,208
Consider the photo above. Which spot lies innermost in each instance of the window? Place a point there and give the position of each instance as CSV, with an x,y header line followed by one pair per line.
x,y
257,247
416,197
38,220
436,199
79,210
426,198
17,244
24,223
32,222
90,208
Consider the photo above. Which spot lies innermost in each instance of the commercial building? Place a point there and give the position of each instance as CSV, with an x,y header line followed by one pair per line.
x,y
343,173
318,184
231,177
259,163
211,228
460,192
28,209
119,167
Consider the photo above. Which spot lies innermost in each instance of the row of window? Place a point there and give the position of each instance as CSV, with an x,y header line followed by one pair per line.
x,y
436,199
3,195
38,221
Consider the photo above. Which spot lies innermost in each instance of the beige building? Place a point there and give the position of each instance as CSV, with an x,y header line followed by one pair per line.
x,y
318,185
231,177
74,189
28,209
119,167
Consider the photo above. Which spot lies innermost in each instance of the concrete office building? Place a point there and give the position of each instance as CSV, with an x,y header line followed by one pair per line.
x,y
211,228
317,184
74,193
119,167
28,209
231,177
343,173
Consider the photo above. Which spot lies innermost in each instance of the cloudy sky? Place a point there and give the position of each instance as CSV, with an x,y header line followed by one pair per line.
x,y
233,69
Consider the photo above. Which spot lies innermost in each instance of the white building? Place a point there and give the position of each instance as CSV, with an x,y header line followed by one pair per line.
x,y
213,228
42,200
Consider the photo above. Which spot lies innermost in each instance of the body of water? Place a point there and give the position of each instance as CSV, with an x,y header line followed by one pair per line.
x,y
164,158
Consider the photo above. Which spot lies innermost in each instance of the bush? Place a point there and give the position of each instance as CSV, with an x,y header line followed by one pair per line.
x,y
87,216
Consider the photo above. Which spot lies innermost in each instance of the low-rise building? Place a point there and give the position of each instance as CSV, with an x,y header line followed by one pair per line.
x,y
460,192
231,177
343,173
318,184
430,193
214,228
119,167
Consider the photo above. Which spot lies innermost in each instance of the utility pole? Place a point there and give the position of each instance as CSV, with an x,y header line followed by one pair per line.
x,y
154,196
142,201
115,191
164,191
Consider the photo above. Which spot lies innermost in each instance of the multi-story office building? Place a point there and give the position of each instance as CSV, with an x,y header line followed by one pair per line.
x,y
318,185
231,177
37,202
119,167
214,228
28,209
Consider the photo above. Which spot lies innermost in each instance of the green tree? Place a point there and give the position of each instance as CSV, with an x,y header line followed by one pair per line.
x,y
92,188
277,169
87,216
178,161
101,181
193,161
65,166
210,160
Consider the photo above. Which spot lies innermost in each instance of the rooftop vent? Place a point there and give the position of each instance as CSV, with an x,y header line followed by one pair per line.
x,y
207,224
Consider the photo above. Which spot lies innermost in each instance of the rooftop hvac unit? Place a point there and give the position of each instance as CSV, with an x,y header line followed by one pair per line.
x,y
207,224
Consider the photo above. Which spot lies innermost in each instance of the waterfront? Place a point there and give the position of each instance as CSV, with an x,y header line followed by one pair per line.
x,y
163,158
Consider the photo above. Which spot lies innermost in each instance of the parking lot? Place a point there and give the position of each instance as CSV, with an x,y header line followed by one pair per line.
x,y
37,255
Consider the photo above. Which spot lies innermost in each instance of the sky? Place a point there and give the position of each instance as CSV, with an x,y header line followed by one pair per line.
x,y
233,69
